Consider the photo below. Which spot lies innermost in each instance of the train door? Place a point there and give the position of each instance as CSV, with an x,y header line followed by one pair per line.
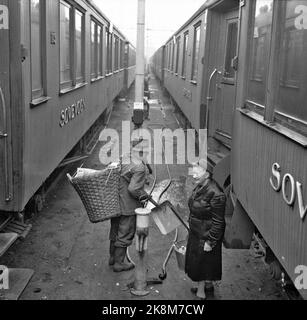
x,y
5,137
224,101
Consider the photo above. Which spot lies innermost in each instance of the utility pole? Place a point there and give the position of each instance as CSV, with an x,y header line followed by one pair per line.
x,y
138,110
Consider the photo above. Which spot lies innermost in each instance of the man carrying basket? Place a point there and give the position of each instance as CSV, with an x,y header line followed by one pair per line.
x,y
134,173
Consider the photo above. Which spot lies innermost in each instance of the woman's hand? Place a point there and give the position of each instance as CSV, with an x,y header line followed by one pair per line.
x,y
207,247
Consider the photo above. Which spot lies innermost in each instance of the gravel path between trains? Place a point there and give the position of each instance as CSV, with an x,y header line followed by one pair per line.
x,y
70,256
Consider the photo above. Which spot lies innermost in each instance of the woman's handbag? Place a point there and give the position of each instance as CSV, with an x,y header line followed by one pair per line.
x,y
99,192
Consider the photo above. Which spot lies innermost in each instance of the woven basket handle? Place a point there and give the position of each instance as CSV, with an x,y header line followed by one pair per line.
x,y
111,170
109,176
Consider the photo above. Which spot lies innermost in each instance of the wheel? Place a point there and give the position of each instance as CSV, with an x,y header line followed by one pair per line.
x,y
275,270
20,216
38,203
163,276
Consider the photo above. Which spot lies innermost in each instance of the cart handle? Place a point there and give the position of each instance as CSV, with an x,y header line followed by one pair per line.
x,y
174,211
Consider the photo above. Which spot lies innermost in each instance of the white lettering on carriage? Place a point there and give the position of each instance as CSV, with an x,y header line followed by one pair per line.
x,y
302,207
4,17
289,188
301,21
70,113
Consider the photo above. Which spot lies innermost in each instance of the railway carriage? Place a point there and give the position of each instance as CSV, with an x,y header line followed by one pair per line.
x,y
237,68
198,73
62,63
269,155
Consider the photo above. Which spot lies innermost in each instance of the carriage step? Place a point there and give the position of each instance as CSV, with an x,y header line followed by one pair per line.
x,y
6,240
18,280
20,228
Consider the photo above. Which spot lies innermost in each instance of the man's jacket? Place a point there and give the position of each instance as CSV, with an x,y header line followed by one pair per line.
x,y
133,179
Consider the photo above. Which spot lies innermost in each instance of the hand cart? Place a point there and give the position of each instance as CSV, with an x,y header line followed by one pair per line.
x,y
175,244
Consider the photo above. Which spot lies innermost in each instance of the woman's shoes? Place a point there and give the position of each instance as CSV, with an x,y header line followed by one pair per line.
x,y
208,289
194,290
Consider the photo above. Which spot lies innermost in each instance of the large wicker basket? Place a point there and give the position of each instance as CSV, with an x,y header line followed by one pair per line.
x,y
99,192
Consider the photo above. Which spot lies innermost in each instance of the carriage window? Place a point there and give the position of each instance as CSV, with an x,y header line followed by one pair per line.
x,y
116,53
99,51
65,26
168,53
195,53
185,54
177,55
173,55
166,57
96,50
259,59
93,49
109,52
122,54
292,95
36,50
170,56
79,21
231,50
71,46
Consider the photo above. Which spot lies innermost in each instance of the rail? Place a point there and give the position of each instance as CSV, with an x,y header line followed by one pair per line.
x,y
4,136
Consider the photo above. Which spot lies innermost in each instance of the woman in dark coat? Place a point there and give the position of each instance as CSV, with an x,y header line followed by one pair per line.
x,y
207,227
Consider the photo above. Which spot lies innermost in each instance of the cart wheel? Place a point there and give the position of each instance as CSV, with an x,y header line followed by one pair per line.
x,y
163,276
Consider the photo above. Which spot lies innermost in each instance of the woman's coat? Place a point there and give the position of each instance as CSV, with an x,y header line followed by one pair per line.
x,y
207,224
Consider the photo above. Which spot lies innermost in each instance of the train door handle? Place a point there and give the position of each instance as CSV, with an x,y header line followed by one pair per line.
x,y
209,97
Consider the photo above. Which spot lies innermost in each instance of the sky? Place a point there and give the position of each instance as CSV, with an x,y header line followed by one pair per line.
x,y
163,18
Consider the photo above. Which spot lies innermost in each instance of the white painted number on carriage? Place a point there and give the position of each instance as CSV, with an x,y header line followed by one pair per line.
x,y
4,278
70,113
4,17
291,190
301,281
301,20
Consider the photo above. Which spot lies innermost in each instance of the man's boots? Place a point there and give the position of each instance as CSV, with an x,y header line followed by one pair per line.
x,y
112,251
119,256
